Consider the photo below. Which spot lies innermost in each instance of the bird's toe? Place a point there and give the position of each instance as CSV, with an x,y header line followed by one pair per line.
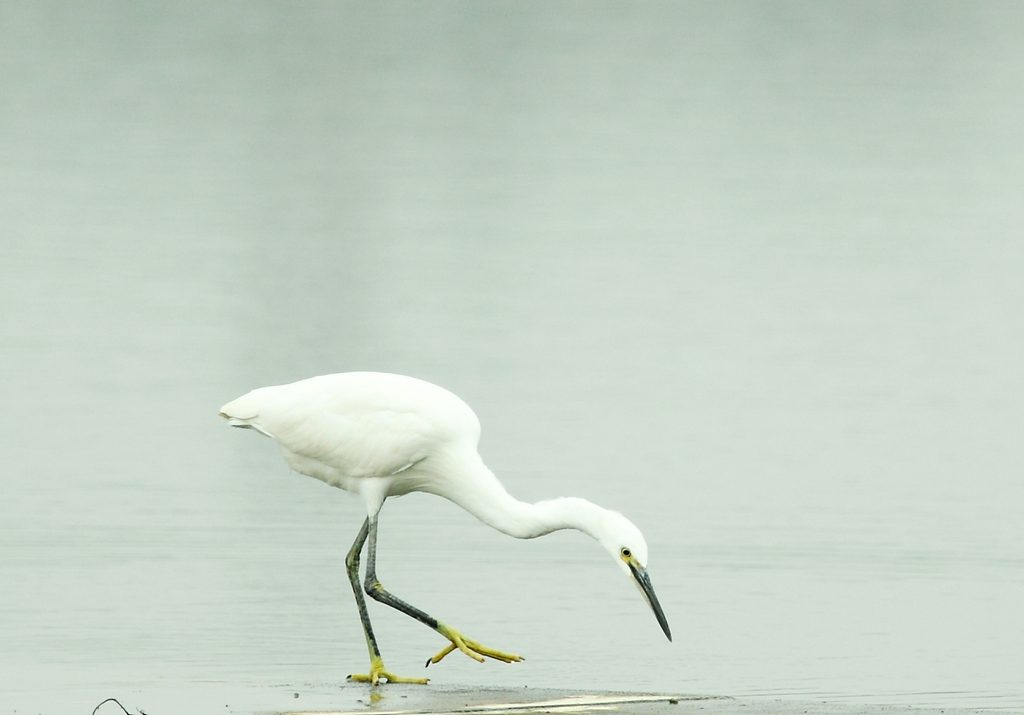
x,y
470,647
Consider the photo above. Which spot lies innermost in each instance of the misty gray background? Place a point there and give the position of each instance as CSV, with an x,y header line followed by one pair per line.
x,y
749,273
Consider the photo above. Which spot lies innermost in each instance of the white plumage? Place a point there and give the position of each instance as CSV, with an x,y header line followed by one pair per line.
x,y
380,435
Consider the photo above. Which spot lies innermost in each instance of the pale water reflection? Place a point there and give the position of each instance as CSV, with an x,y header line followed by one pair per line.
x,y
749,274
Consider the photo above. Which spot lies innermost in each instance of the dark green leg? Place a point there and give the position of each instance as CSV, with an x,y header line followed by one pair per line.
x,y
376,591
352,566
377,672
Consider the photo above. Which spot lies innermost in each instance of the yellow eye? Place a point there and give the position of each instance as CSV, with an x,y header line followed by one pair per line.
x,y
626,553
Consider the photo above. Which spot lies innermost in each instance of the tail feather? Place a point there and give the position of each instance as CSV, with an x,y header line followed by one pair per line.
x,y
233,412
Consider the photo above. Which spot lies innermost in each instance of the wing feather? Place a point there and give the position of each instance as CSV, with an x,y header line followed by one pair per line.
x,y
357,424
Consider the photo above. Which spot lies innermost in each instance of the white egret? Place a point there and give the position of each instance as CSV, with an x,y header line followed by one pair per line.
x,y
379,435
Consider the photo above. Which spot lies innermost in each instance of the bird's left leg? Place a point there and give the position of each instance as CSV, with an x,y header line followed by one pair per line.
x,y
377,671
376,591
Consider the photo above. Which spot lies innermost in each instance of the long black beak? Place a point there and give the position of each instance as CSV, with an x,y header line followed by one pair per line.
x,y
644,582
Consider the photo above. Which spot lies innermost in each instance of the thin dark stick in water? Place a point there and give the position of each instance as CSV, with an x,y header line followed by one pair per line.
x,y
114,700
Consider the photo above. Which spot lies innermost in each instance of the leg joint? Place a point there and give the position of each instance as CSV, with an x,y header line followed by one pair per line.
x,y
373,588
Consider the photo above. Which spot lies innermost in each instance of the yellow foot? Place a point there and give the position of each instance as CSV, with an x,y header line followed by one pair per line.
x,y
377,674
471,648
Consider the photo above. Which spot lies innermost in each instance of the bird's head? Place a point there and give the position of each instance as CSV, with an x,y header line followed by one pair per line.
x,y
626,545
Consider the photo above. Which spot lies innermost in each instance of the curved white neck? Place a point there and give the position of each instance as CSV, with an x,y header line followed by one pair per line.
x,y
481,494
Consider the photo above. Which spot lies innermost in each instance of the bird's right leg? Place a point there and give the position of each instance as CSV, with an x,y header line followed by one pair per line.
x,y
377,672
376,591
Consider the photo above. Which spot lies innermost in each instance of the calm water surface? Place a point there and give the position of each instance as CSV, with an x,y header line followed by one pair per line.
x,y
749,274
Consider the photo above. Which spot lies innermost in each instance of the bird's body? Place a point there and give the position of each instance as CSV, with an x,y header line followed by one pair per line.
x,y
380,435
373,434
